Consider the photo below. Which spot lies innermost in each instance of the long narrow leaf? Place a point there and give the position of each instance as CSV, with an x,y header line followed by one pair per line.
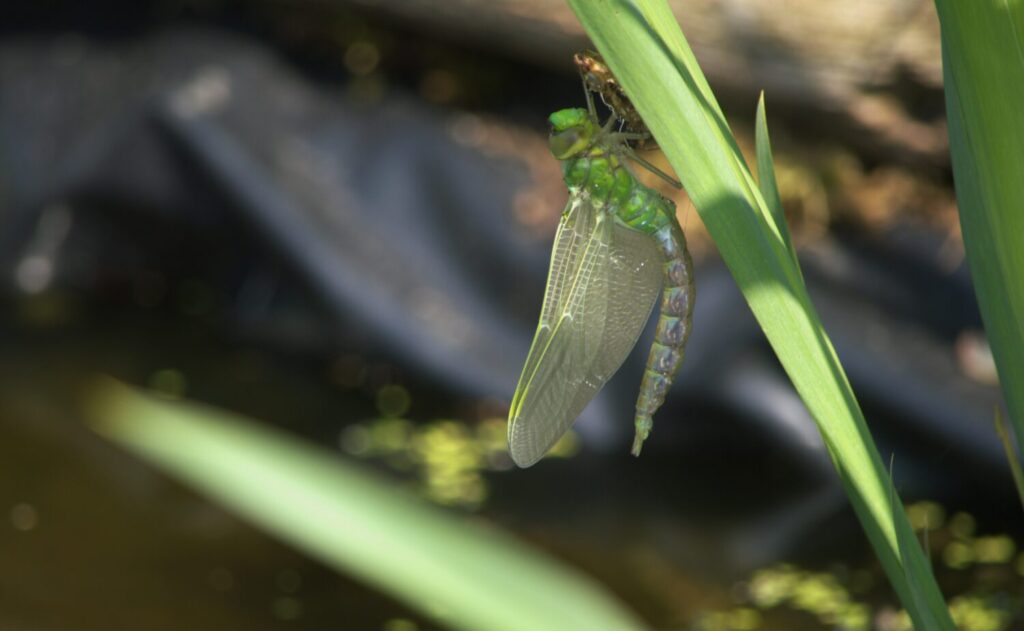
x,y
766,177
983,68
464,576
643,45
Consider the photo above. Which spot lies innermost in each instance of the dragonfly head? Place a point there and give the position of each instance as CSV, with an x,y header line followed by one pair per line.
x,y
572,131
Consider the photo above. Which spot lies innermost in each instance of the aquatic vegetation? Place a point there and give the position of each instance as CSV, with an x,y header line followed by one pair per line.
x,y
447,457
987,568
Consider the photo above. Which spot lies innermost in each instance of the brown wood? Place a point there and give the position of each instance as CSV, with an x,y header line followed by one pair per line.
x,y
869,70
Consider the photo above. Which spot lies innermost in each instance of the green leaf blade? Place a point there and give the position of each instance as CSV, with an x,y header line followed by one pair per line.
x,y
983,68
642,44
462,575
766,177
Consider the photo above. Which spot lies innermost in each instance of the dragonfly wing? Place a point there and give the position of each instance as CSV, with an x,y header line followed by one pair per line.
x,y
574,231
602,284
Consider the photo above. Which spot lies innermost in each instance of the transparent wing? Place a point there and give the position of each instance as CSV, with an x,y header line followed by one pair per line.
x,y
574,231
603,280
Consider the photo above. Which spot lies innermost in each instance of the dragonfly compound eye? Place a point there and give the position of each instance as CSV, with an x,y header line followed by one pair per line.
x,y
567,143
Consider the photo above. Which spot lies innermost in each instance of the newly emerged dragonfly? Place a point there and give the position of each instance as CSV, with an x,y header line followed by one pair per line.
x,y
618,245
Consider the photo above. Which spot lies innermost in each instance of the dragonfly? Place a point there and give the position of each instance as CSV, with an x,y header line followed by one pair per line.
x,y
618,246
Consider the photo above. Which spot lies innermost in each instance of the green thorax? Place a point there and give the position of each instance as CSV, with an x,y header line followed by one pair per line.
x,y
592,166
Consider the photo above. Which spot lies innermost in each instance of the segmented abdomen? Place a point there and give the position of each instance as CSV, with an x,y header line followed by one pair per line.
x,y
642,208
675,320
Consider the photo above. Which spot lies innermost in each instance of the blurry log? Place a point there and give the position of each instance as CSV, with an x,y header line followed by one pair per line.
x,y
869,71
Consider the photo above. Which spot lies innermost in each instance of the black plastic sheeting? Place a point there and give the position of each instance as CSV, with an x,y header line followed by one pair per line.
x,y
374,209
328,226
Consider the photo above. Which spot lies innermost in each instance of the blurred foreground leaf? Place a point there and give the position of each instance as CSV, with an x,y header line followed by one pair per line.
x,y
643,45
463,575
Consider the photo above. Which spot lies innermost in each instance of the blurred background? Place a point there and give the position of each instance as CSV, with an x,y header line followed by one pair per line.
x,y
335,217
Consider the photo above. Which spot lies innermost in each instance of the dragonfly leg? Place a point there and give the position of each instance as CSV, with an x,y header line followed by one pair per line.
x,y
590,97
623,135
632,155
